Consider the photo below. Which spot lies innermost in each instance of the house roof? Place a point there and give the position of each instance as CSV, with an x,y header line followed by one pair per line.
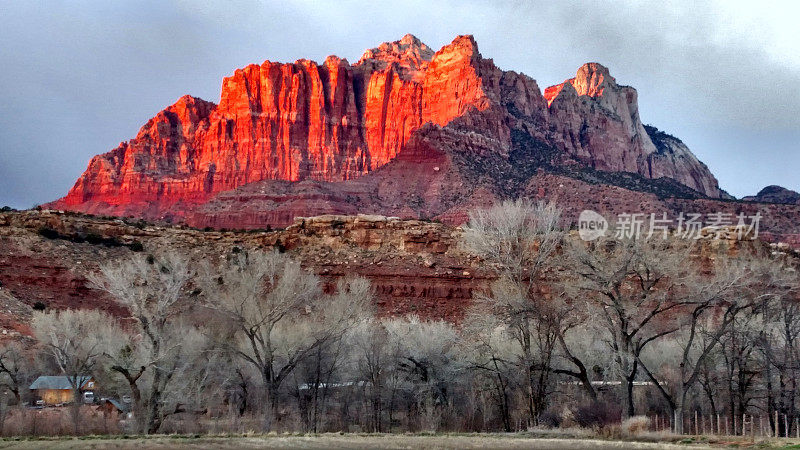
x,y
59,382
117,404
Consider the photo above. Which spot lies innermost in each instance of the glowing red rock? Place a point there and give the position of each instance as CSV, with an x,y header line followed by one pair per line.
x,y
335,122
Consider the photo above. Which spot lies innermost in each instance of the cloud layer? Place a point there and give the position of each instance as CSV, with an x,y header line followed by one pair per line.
x,y
76,81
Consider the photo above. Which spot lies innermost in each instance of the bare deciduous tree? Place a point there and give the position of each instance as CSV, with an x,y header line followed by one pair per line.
x,y
372,356
14,361
629,282
491,357
427,353
713,300
520,240
73,340
151,288
278,314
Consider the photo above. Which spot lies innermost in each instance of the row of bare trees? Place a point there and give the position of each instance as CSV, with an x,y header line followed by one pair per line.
x,y
663,314
568,333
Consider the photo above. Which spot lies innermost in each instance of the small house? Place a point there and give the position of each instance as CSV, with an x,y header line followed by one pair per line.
x,y
113,406
55,390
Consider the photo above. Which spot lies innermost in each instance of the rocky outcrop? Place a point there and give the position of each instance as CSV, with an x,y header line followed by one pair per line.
x,y
416,267
775,194
334,122
597,122
673,159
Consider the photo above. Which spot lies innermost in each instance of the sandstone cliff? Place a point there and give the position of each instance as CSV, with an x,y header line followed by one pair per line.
x,y
336,121
597,121
416,267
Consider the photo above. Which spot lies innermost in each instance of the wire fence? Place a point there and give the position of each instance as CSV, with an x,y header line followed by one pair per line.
x,y
774,425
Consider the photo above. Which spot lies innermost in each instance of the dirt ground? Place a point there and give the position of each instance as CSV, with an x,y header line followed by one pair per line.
x,y
339,442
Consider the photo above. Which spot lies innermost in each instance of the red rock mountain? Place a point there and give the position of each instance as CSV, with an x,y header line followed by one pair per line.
x,y
304,138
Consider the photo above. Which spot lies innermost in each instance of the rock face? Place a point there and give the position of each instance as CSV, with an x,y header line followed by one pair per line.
x,y
775,194
335,122
597,122
415,267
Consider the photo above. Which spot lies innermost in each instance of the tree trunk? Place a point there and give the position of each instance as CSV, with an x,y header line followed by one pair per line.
x,y
138,411
630,412
677,414
270,399
153,421
582,374
75,409
627,390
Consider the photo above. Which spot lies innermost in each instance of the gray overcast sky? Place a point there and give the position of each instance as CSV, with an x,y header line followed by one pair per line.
x,y
76,78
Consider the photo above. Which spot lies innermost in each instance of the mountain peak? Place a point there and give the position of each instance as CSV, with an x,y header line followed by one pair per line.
x,y
591,79
335,122
409,52
410,39
463,45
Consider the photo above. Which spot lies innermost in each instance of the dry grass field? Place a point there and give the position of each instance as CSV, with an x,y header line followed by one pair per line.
x,y
342,441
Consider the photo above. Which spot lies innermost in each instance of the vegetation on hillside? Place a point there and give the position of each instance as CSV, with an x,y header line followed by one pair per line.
x,y
570,334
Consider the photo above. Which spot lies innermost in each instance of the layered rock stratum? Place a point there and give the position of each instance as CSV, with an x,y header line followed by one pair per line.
x,y
405,131
416,267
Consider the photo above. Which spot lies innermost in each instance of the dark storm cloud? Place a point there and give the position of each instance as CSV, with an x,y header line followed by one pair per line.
x,y
78,78
681,54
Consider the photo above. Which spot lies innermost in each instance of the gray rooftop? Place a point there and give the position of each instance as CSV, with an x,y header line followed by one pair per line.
x,y
58,382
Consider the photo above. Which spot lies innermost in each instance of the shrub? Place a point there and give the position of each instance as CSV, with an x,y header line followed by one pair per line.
x,y
597,414
550,418
48,233
94,238
39,306
136,246
635,425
